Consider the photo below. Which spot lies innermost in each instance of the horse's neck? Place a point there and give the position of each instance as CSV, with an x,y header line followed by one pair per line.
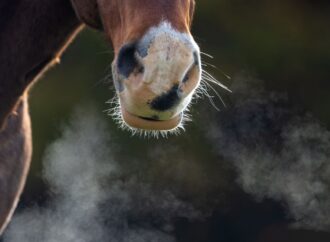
x,y
32,35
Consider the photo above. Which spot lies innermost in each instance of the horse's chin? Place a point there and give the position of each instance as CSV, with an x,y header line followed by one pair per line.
x,y
141,123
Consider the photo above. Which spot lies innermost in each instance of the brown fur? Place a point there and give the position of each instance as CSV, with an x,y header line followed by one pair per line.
x,y
127,21
33,33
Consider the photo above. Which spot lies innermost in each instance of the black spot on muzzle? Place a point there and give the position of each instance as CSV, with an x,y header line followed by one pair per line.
x,y
167,100
117,80
127,61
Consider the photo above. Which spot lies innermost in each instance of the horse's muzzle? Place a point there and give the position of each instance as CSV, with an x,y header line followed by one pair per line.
x,y
155,78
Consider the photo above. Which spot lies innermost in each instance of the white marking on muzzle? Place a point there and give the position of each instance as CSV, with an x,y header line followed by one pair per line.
x,y
168,56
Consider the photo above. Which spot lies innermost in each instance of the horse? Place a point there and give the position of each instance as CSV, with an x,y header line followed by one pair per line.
x,y
156,68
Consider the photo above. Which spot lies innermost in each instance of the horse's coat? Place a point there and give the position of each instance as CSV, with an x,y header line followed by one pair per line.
x,y
34,34
15,159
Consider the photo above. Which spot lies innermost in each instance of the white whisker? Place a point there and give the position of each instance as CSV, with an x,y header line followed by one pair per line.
x,y
209,96
207,55
216,93
206,64
210,78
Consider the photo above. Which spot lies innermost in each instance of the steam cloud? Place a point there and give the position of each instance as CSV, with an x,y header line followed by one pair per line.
x,y
279,152
90,202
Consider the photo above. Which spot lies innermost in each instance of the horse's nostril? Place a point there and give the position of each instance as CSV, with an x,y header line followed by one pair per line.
x,y
127,61
196,58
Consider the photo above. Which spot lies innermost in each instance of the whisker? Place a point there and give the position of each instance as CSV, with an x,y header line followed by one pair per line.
x,y
209,64
106,79
206,64
216,93
203,91
210,78
207,55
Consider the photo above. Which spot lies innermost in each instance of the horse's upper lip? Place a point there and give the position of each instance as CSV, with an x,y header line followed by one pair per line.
x,y
149,123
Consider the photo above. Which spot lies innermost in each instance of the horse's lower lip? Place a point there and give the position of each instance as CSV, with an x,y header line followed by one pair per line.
x,y
142,123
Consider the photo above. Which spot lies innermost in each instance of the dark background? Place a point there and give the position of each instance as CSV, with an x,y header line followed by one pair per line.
x,y
285,43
